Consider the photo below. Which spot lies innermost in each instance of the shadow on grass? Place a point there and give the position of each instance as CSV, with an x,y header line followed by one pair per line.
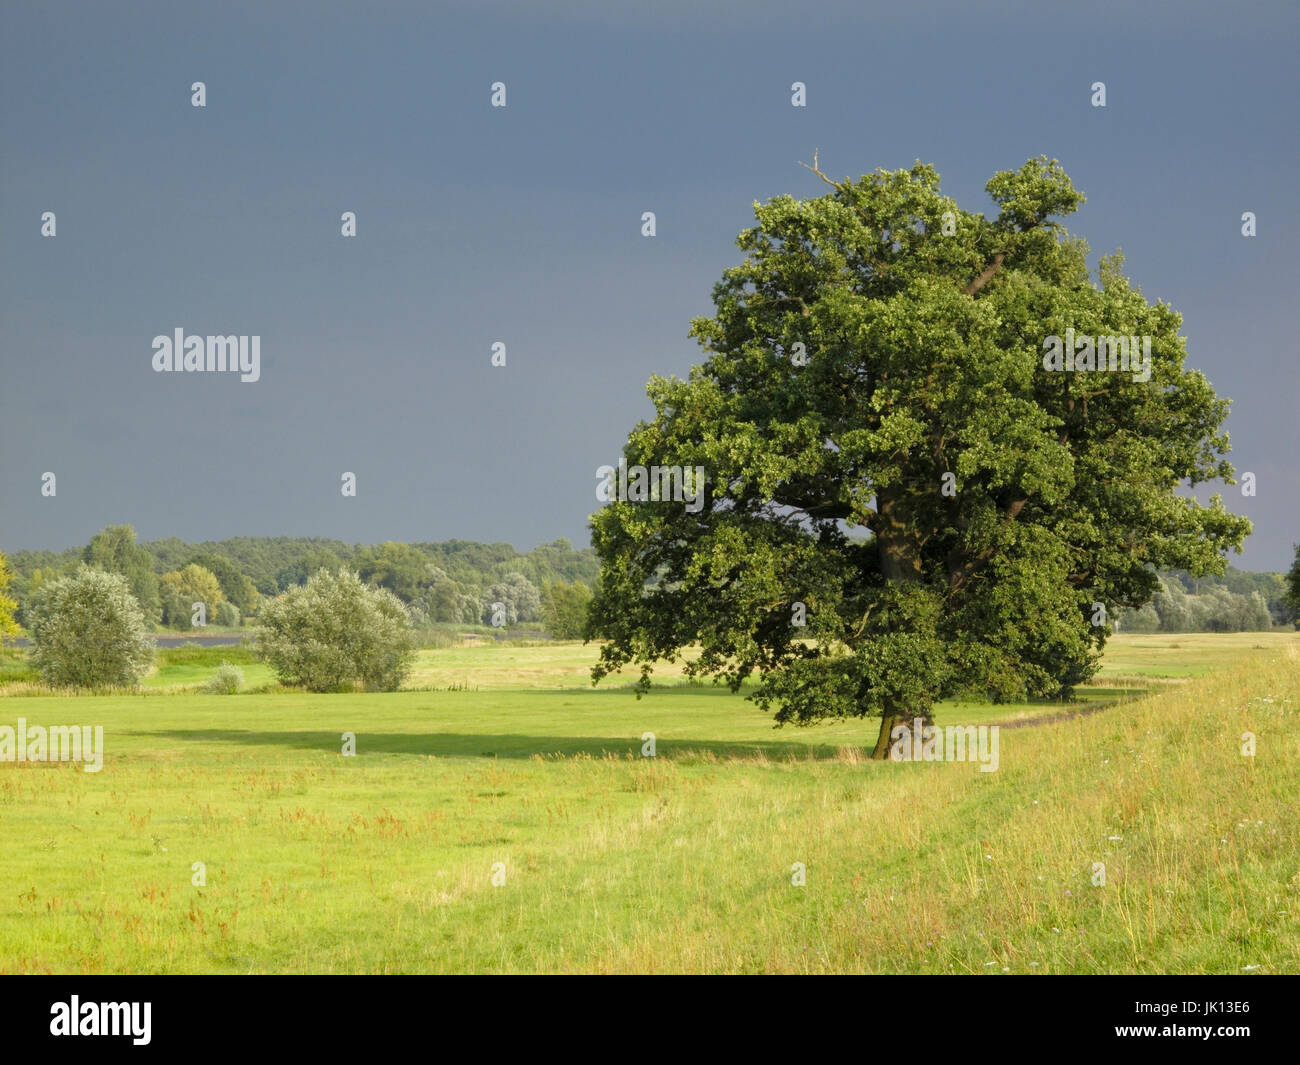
x,y
522,746
507,745
1083,696
598,691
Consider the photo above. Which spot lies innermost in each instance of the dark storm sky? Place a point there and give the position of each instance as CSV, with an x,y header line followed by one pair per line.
x,y
522,225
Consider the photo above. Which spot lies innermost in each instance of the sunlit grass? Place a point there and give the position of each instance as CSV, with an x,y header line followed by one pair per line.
x,y
383,862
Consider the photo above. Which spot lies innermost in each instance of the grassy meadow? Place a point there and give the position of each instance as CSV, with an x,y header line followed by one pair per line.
x,y
500,762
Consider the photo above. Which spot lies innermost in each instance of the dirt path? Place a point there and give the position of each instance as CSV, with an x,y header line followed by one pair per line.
x,y
1068,715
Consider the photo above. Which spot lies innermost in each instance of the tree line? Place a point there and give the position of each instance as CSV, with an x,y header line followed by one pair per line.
x,y
453,582
460,582
1238,601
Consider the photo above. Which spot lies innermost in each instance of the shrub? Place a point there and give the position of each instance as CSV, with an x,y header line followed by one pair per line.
x,y
334,632
183,588
564,609
1136,621
522,600
227,615
227,680
176,610
88,630
8,606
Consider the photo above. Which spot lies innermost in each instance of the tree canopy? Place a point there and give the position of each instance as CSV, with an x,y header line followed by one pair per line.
x,y
8,605
1293,586
236,587
334,632
114,550
88,630
182,588
902,501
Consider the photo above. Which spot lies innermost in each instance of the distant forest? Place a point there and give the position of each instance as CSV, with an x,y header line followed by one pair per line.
x,y
455,581
459,581
1239,601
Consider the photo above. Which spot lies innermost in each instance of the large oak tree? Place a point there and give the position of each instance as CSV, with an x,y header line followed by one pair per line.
x,y
887,457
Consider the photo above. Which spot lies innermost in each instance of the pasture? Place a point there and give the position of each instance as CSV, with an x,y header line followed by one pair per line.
x,y
499,816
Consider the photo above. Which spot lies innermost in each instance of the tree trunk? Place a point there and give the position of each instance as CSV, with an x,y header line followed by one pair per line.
x,y
889,721
900,562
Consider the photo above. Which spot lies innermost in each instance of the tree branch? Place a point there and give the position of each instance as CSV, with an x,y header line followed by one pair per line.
x,y
958,574
987,275
815,170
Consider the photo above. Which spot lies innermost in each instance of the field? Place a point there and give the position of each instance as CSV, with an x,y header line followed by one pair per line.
x,y
503,764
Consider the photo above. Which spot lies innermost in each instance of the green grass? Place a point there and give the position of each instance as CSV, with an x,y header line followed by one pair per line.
x,y
185,667
383,862
1180,655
